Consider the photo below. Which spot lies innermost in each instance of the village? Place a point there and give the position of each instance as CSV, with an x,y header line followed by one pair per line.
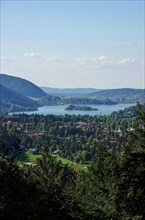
x,y
68,139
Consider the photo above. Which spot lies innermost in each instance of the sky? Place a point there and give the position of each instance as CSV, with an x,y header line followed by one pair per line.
x,y
71,44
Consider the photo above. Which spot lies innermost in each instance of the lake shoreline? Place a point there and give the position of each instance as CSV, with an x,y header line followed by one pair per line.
x,y
60,110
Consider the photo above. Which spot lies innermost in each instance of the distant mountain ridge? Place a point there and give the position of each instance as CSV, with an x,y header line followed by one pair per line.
x,y
22,86
68,91
119,95
123,92
17,94
98,93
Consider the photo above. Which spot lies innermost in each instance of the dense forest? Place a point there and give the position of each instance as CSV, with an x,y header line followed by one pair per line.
x,y
88,101
111,185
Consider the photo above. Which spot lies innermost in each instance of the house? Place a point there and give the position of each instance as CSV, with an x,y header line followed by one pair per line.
x,y
43,133
97,140
81,124
34,164
113,141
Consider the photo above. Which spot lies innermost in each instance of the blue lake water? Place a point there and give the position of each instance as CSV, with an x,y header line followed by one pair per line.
x,y
60,110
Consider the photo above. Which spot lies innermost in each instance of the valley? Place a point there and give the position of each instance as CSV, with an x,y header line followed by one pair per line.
x,y
18,95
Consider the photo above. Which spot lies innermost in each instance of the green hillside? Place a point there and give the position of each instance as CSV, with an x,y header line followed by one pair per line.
x,y
17,94
22,86
12,100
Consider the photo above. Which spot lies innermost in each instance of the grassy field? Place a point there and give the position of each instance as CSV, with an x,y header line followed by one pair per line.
x,y
71,163
27,157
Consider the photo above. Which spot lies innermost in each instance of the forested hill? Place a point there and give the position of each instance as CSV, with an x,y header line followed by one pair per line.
x,y
17,94
124,92
10,98
22,86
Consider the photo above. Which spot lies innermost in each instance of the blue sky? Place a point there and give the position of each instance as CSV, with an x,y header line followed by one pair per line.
x,y
62,44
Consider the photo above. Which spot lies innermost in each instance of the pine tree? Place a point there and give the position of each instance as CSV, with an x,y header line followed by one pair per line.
x,y
130,198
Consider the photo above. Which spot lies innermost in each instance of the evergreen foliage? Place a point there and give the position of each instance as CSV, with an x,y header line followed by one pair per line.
x,y
113,186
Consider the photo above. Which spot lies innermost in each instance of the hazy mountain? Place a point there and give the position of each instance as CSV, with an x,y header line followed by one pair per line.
x,y
68,91
96,93
19,94
22,86
124,92
123,95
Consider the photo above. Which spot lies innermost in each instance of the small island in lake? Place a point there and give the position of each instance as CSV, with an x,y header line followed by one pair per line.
x,y
80,108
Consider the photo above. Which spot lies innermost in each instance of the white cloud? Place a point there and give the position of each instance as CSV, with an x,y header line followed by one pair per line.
x,y
126,61
91,63
82,60
102,59
54,59
80,72
32,54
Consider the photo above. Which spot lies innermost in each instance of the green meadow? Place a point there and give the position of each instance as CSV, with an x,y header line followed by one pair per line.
x,y
27,157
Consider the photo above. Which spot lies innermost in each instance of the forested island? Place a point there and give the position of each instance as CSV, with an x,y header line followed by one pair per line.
x,y
80,108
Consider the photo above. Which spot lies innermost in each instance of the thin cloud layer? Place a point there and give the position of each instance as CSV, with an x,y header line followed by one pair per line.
x,y
92,61
75,72
82,60
127,61
32,54
101,59
53,59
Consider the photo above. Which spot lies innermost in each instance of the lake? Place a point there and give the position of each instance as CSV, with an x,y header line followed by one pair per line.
x,y
60,110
